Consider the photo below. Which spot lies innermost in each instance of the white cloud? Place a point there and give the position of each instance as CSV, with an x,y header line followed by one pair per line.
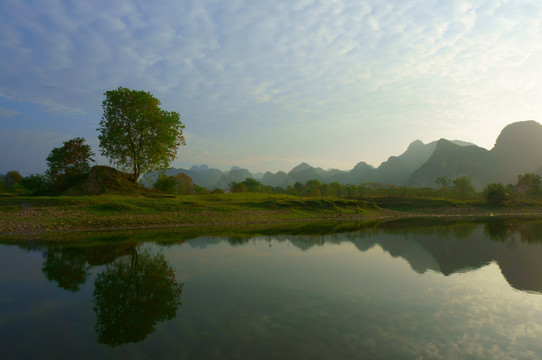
x,y
232,68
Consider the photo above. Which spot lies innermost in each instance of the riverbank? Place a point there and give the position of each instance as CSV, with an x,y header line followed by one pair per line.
x,y
38,215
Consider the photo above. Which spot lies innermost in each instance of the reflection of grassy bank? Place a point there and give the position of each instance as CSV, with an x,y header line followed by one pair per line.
x,y
495,227
37,215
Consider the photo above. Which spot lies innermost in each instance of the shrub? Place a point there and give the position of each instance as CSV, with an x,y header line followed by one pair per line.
x,y
166,184
198,190
11,178
496,194
36,184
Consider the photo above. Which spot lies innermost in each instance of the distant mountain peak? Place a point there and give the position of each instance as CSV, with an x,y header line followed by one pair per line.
x,y
415,144
301,167
522,131
362,165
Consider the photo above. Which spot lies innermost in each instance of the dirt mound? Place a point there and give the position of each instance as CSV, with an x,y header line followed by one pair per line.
x,y
106,180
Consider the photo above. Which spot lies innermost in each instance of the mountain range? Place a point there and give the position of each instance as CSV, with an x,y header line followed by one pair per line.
x,y
517,150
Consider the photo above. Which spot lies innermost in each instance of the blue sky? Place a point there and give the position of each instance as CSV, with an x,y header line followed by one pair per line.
x,y
266,85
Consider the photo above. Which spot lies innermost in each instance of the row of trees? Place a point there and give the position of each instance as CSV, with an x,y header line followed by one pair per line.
x,y
529,186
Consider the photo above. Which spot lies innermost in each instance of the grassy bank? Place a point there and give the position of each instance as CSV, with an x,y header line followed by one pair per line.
x,y
24,215
63,213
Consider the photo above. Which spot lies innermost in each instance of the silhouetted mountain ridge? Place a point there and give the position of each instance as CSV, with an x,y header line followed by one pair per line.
x,y
517,150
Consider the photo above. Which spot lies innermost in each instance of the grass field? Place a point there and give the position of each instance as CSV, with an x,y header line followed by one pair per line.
x,y
27,215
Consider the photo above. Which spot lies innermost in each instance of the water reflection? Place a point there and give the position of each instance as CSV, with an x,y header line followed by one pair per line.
x,y
68,267
132,295
312,292
447,248
134,292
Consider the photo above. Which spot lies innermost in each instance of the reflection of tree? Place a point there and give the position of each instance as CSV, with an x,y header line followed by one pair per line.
x,y
498,230
66,266
132,295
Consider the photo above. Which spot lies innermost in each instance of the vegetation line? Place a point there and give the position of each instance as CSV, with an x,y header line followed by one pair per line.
x,y
29,215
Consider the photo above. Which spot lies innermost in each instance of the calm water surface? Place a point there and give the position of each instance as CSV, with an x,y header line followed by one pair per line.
x,y
467,291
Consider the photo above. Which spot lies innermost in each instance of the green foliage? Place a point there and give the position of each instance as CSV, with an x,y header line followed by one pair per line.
x,y
9,181
462,188
443,181
68,164
185,185
36,184
18,189
180,184
496,194
312,188
529,185
136,134
199,190
166,184
217,191
253,185
238,187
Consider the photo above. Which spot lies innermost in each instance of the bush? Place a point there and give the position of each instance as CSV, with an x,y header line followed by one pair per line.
x,y
11,178
198,190
185,185
496,194
36,184
238,188
166,184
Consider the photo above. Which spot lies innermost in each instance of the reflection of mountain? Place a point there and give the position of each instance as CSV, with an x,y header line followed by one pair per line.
x,y
516,246
432,249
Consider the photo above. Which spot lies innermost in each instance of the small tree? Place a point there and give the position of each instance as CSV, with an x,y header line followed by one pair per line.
x,y
238,187
443,181
530,185
312,188
180,184
253,185
185,184
136,134
462,187
200,190
496,194
67,164
11,178
166,184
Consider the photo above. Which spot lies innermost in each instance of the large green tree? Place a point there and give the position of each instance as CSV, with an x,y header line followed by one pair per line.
x,y
136,134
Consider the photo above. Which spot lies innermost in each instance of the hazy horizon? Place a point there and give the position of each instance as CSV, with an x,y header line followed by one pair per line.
x,y
268,85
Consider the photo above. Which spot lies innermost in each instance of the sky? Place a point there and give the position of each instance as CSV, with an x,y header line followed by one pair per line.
x,y
268,84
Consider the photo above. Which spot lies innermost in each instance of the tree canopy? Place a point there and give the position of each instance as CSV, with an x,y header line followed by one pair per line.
x,y
69,162
136,134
